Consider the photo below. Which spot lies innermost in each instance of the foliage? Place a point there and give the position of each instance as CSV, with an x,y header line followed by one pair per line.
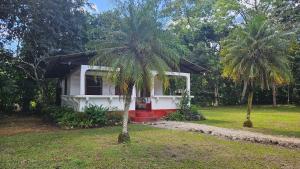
x,y
194,23
93,116
186,111
40,29
98,114
133,40
256,54
175,116
10,79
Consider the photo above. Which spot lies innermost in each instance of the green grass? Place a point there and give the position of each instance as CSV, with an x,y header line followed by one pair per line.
x,y
149,148
283,120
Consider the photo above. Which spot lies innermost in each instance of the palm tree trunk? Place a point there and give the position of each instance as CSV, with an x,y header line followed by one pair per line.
x,y
274,94
124,135
244,92
248,122
249,106
125,116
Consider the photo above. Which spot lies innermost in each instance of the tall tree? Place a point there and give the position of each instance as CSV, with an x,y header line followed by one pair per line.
x,y
256,53
42,29
193,22
134,43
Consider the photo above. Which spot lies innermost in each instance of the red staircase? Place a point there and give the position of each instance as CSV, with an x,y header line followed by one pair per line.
x,y
144,116
144,112
140,116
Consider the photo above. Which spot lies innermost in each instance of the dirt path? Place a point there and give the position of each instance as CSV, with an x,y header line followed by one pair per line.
x,y
232,134
14,124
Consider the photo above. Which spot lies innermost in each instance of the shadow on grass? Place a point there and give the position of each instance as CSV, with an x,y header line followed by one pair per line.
x,y
213,121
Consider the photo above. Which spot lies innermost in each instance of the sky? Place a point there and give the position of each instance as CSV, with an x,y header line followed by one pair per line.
x,y
103,5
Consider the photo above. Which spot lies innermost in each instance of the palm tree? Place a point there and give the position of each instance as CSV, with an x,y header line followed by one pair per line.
x,y
256,53
133,42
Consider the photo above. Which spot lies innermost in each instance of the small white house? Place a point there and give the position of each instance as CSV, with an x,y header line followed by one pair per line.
x,y
82,85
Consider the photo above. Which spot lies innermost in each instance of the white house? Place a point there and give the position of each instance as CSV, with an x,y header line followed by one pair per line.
x,y
81,85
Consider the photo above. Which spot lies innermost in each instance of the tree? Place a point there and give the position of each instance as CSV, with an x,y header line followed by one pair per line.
x,y
193,23
133,42
8,86
256,52
42,29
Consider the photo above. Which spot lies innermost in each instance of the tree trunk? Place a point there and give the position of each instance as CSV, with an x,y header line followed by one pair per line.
x,y
249,106
216,93
125,116
124,136
244,92
45,99
248,122
288,94
274,94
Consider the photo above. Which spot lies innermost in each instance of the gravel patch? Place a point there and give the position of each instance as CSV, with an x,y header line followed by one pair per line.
x,y
231,134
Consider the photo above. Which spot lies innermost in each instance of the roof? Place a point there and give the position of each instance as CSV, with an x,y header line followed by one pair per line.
x,y
60,65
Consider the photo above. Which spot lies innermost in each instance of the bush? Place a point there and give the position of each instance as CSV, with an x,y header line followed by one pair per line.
x,y
93,116
185,111
175,116
114,118
54,113
193,114
97,114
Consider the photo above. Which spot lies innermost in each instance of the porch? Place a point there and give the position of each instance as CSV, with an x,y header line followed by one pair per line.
x,y
87,85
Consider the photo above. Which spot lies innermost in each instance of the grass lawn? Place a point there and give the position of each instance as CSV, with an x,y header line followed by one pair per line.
x,y
149,148
283,120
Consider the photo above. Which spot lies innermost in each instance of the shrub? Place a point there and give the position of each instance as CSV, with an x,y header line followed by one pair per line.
x,y
97,114
175,116
54,113
74,120
93,116
114,118
185,111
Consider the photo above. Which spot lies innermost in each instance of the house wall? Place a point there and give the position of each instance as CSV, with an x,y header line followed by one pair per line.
x,y
114,103
158,87
165,102
74,83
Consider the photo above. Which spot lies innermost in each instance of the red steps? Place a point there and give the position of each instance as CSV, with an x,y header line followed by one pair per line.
x,y
148,115
144,116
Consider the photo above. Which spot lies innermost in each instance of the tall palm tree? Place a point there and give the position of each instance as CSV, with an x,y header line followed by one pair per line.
x,y
256,53
134,43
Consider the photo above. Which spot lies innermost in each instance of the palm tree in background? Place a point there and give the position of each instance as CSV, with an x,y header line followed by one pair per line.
x,y
133,42
256,53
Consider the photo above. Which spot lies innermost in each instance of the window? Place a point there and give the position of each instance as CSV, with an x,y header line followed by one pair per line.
x,y
93,85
